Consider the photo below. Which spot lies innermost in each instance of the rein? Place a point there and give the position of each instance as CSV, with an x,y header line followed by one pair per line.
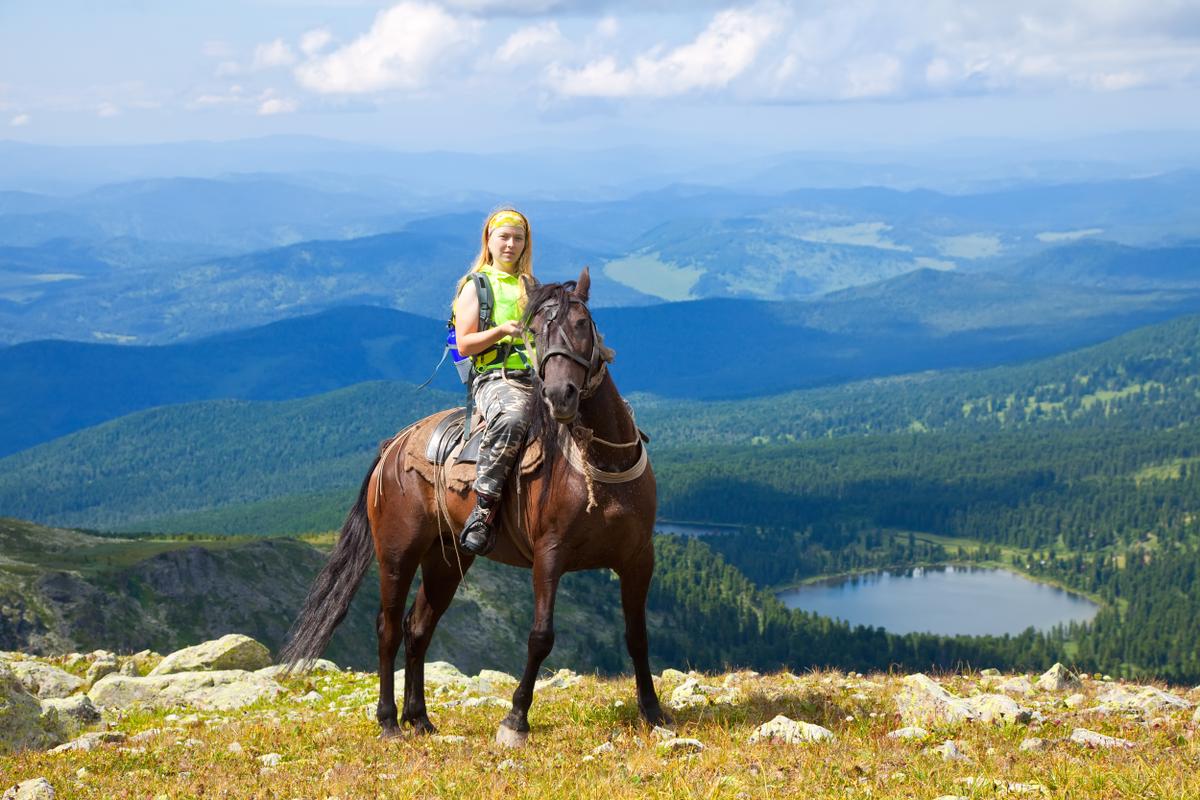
x,y
596,366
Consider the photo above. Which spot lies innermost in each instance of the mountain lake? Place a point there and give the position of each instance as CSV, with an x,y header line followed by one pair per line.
x,y
944,600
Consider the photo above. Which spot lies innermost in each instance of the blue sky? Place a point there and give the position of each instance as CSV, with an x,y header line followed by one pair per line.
x,y
487,76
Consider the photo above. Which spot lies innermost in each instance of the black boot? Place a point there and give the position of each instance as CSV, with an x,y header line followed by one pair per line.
x,y
478,535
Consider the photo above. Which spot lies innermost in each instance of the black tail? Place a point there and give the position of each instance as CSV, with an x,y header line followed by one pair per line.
x,y
331,593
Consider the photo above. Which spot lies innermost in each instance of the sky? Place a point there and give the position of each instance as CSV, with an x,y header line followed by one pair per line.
x,y
490,76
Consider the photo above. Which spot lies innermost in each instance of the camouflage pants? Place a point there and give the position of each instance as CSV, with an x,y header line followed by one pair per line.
x,y
504,408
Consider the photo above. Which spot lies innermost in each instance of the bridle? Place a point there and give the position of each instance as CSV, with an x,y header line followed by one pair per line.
x,y
594,364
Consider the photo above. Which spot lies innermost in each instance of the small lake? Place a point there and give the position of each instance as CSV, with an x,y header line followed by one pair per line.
x,y
944,600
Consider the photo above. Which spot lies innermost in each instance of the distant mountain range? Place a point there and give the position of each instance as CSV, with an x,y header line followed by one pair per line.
x,y
922,320
164,260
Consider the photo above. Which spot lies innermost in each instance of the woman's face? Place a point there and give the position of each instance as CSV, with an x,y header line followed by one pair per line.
x,y
506,244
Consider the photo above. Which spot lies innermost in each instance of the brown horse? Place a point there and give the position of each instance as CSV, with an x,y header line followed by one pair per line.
x,y
594,512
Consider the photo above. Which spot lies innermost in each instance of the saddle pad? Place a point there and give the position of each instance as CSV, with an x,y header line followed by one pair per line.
x,y
457,474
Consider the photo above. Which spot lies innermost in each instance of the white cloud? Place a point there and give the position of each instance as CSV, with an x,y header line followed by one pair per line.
x,y
20,120
106,110
723,51
608,27
400,51
315,41
531,42
273,54
216,49
277,105
227,69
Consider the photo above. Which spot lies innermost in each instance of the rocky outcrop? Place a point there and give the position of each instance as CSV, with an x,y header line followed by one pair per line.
x,y
789,731
216,691
35,789
73,713
23,722
1058,679
232,651
45,680
923,701
692,693
1141,700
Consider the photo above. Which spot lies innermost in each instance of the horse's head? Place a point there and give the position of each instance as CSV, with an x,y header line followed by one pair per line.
x,y
570,353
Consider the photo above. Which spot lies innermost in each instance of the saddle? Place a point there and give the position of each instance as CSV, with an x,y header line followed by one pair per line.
x,y
446,442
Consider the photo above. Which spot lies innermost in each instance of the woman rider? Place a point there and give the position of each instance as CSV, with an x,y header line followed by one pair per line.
x,y
502,384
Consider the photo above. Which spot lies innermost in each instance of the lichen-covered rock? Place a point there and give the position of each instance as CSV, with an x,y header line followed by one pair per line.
x,y
1092,739
910,732
317,665
1033,745
997,708
73,713
563,679
105,663
692,693
681,745
232,651
1058,679
90,741
923,701
36,789
949,751
670,674
44,680
23,724
490,680
221,690
789,731
1146,700
1018,685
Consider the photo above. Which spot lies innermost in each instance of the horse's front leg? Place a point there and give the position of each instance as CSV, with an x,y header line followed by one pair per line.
x,y
635,586
514,729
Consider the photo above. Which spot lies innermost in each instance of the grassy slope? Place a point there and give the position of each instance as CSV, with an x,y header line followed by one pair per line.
x,y
330,748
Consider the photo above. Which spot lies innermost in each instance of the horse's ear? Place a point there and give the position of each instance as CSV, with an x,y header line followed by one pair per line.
x,y
583,285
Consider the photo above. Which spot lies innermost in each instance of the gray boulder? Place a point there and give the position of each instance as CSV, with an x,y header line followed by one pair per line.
x,y
73,713
220,690
789,731
36,789
1058,679
318,665
923,701
22,722
234,651
105,664
1098,740
44,680
1141,700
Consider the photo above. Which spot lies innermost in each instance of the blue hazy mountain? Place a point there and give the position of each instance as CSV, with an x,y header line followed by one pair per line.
x,y
712,348
1113,265
675,243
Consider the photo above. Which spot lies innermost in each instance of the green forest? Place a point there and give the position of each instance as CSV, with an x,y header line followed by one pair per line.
x,y
1082,470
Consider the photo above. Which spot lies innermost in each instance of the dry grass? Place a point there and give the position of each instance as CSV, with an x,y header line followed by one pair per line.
x,y
329,748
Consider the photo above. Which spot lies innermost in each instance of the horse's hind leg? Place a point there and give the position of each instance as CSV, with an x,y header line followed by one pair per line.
x,y
514,729
635,585
395,577
440,577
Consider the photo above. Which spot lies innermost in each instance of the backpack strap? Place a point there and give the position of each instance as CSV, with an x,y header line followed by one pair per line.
x,y
483,290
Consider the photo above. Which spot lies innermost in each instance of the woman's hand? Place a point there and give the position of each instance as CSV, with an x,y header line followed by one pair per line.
x,y
510,328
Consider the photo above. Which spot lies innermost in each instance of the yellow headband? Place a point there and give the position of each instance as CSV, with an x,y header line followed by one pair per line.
x,y
503,218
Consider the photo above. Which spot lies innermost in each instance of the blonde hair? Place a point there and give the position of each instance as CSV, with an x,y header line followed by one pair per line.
x,y
524,261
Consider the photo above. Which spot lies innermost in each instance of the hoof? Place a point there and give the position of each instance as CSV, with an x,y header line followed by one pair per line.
x,y
391,732
507,737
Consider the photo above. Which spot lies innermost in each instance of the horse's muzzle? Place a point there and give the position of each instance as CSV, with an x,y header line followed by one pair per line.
x,y
563,401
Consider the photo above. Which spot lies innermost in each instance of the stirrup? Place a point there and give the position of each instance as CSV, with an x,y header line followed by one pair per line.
x,y
478,535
